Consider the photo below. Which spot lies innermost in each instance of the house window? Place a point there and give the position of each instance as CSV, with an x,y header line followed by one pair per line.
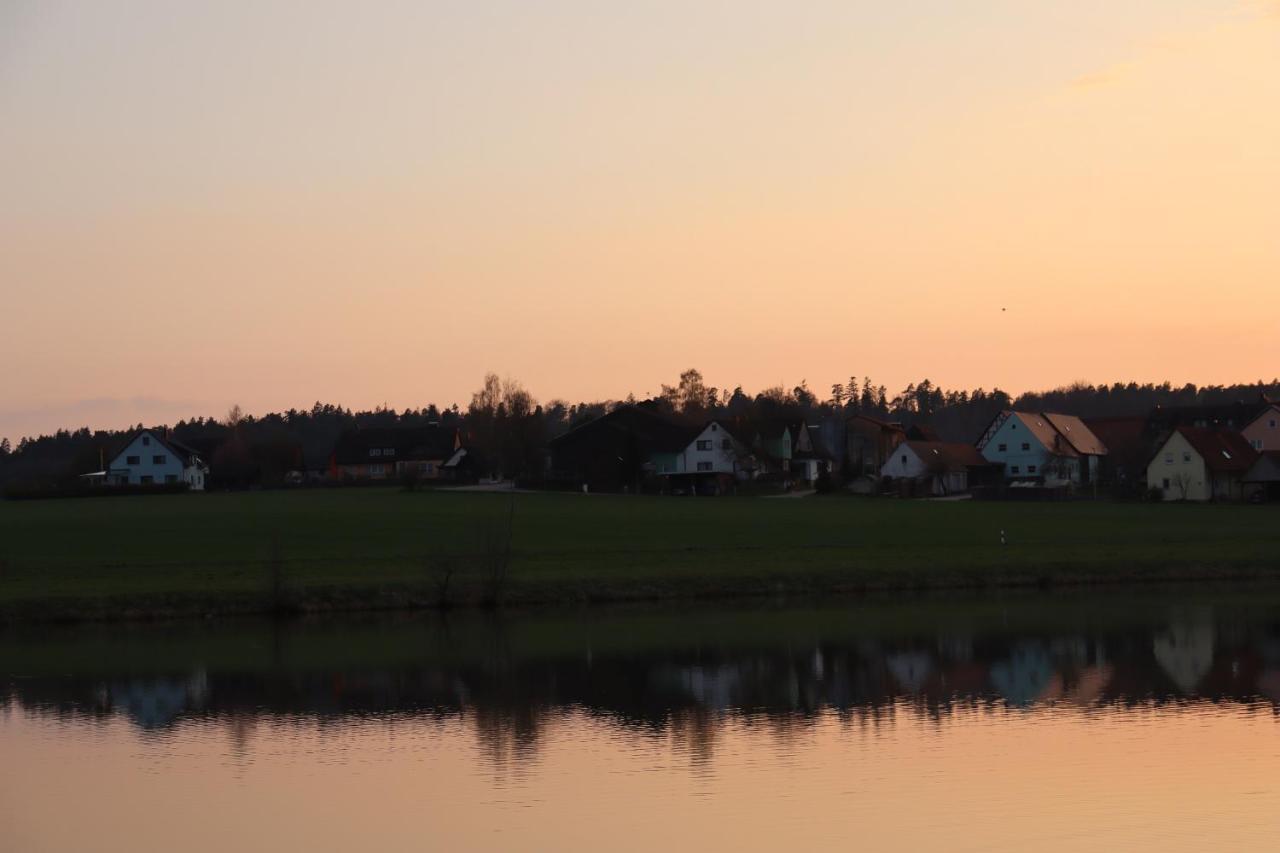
x,y
1004,448
146,479
375,470
726,444
1165,483
1013,469
704,444
1186,456
159,459
146,441
388,451
1031,469
1168,459
1026,445
1257,443
704,466
375,451
1271,423
133,460
171,478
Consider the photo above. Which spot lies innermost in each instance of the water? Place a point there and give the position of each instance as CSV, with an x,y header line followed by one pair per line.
x,y
1136,721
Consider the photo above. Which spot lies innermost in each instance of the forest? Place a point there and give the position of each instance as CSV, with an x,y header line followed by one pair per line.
x,y
508,429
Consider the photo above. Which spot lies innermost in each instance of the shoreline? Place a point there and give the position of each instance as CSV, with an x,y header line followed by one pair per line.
x,y
852,586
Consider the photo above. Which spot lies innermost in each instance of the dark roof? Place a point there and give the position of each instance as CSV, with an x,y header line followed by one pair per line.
x,y
174,446
1236,415
408,443
652,429
923,432
1221,450
888,426
1120,434
949,455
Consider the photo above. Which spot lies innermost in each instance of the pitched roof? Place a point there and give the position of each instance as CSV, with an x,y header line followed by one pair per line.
x,y
411,443
1077,434
1042,428
656,431
1266,468
1222,451
1120,434
950,455
174,446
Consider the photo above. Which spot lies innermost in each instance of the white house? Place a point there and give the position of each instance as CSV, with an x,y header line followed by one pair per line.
x,y
150,457
941,468
1199,464
1053,448
712,454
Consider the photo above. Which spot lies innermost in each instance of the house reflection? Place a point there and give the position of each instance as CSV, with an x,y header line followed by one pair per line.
x,y
486,677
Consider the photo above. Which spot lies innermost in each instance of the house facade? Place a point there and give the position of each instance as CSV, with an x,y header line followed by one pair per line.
x,y
1263,432
149,457
711,462
1049,448
934,467
393,453
1262,480
869,442
1201,464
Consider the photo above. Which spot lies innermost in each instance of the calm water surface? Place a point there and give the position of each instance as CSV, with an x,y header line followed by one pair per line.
x,y
1142,721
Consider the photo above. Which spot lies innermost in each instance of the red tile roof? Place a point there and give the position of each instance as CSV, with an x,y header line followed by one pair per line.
x,y
1221,450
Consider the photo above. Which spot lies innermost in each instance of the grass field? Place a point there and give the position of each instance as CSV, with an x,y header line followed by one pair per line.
x,y
359,548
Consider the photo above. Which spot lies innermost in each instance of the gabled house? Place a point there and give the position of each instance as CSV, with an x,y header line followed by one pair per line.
x,y
1262,480
620,449
868,444
1044,447
1129,445
819,449
774,444
150,457
1201,464
935,467
390,453
711,461
1263,432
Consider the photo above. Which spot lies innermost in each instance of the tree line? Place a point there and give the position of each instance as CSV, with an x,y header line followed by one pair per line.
x,y
508,430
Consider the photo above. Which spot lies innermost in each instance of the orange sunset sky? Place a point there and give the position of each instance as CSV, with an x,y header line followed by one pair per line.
x,y
270,203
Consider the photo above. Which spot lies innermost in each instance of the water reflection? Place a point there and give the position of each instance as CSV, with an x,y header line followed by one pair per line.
x,y
675,674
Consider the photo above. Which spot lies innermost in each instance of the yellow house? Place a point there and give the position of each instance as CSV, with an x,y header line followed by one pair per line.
x,y
1199,464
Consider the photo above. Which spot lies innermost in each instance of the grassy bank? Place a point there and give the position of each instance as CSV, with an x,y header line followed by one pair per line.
x,y
367,548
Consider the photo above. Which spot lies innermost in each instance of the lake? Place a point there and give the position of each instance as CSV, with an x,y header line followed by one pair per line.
x,y
1134,720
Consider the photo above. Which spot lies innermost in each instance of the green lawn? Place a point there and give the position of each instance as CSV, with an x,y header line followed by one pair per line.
x,y
374,546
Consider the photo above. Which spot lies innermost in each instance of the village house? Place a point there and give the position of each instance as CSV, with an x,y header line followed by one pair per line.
x,y
423,453
1053,449
868,444
712,461
621,449
1201,464
1263,432
1262,480
819,449
934,467
150,457
774,444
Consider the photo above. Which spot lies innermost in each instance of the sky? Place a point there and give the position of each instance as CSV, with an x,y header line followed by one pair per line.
x,y
273,203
